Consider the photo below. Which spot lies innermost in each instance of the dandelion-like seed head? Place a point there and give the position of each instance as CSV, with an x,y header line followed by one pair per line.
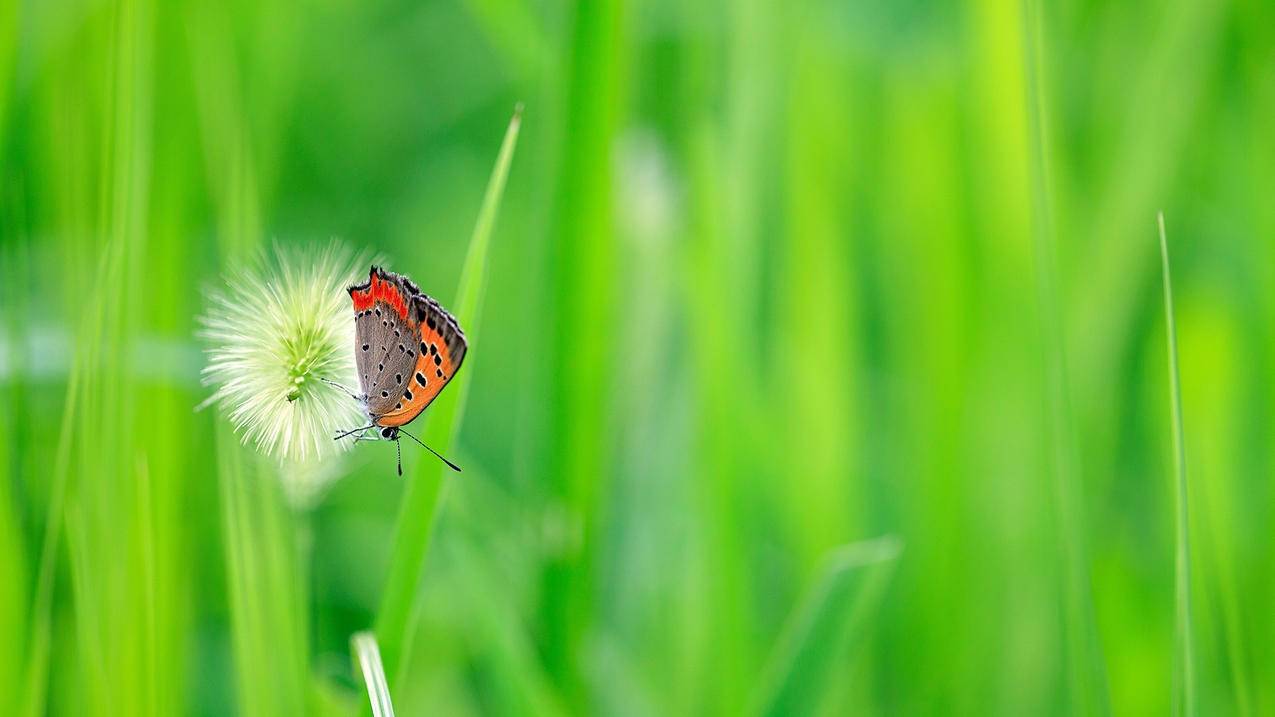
x,y
275,329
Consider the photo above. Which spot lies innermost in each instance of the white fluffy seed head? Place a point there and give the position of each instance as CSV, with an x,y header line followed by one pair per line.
x,y
271,333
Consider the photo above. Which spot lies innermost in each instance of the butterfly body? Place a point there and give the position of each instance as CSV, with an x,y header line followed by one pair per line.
x,y
407,348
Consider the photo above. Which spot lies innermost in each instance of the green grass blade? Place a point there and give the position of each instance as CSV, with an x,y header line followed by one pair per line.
x,y
368,657
470,292
1184,658
1087,672
819,633
421,498
38,644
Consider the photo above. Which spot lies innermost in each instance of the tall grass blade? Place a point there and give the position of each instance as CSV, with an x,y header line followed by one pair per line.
x,y
1087,673
1184,702
820,631
368,656
419,509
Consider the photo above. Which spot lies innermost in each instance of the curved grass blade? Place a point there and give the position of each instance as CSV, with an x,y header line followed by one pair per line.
x,y
1183,658
820,631
368,656
421,499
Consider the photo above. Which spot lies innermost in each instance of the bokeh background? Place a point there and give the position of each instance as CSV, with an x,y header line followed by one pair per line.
x,y
768,279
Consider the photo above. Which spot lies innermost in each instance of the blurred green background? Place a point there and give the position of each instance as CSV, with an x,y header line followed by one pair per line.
x,y
768,279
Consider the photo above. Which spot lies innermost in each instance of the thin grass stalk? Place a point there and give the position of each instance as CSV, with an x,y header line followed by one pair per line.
x,y
1087,674
271,538
35,682
147,540
230,476
1184,698
88,617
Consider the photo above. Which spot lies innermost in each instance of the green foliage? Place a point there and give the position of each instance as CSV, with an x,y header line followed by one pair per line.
x,y
765,280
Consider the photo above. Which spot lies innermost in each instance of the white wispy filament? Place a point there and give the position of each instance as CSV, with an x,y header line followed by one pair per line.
x,y
274,330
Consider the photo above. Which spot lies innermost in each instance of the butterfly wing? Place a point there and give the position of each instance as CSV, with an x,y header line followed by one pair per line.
x,y
441,350
386,338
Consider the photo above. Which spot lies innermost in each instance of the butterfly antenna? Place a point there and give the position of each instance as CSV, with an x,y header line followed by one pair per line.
x,y
399,446
451,465
353,430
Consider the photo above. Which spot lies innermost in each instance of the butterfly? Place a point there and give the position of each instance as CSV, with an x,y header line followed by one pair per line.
x,y
407,348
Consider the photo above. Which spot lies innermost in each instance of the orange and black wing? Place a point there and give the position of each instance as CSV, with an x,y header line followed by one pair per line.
x,y
440,352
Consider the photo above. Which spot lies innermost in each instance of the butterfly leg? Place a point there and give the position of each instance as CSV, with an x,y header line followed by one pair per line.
x,y
334,384
352,431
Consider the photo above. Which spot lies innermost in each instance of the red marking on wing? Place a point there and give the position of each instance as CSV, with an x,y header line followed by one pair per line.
x,y
362,299
379,289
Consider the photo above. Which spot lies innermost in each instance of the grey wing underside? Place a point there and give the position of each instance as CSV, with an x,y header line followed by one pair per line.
x,y
385,353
